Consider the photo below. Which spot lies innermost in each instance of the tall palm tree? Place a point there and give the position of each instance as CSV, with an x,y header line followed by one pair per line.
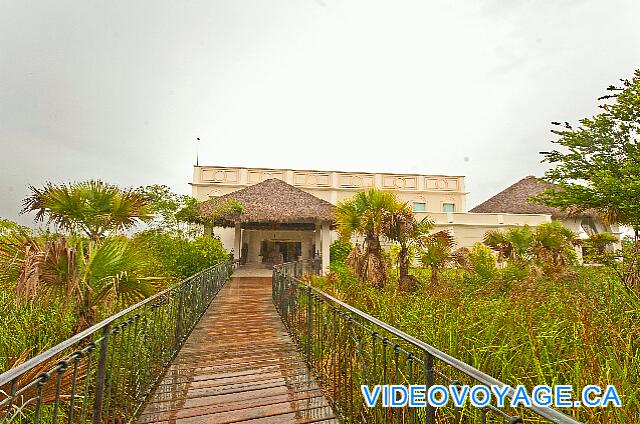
x,y
401,226
363,215
93,208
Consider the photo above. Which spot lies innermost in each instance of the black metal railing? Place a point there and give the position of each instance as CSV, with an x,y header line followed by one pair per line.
x,y
346,348
105,373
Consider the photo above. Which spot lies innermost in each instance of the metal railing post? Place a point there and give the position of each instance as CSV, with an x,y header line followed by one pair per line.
x,y
309,322
428,381
179,318
101,375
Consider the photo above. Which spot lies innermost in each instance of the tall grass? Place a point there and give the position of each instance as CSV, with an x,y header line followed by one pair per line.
x,y
583,328
29,328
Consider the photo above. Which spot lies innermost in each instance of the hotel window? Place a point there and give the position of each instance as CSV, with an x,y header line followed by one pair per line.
x,y
419,207
448,207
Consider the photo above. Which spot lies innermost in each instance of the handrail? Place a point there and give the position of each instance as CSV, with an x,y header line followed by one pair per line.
x,y
13,373
88,366
290,273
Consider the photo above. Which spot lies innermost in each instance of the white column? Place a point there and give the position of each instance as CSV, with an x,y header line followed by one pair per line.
x,y
317,239
326,242
237,243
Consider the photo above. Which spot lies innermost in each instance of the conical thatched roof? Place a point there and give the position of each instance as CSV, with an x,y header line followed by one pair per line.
x,y
515,199
271,201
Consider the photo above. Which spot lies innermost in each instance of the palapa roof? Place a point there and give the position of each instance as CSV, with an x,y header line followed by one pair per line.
x,y
271,201
515,199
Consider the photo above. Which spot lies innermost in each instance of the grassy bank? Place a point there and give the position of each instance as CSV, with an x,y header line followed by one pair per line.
x,y
582,328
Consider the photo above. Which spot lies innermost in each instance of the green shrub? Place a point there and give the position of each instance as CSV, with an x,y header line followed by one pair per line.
x,y
339,250
180,257
482,263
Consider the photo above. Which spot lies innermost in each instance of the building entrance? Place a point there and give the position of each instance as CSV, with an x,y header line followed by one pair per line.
x,y
279,251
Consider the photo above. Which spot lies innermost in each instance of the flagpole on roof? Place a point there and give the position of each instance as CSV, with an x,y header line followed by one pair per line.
x,y
197,150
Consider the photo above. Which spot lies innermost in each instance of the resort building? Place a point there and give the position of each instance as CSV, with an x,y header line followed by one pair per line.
x,y
287,214
515,200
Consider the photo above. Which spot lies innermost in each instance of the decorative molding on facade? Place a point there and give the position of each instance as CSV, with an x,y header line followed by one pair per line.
x,y
400,182
220,175
358,181
214,175
312,179
255,176
442,184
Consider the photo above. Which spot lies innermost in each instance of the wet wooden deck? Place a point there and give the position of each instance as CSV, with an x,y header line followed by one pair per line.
x,y
238,365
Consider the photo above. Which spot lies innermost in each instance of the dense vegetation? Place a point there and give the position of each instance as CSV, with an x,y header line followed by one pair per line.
x,y
516,323
520,306
91,259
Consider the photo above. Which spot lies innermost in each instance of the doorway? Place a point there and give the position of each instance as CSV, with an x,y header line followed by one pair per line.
x,y
279,251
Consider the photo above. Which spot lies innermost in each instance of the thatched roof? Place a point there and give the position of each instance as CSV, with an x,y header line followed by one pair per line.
x,y
271,201
515,199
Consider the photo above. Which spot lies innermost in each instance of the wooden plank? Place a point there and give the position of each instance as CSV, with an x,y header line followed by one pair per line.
x,y
238,365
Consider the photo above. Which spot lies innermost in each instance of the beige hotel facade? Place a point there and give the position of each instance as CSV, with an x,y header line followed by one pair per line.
x,y
442,197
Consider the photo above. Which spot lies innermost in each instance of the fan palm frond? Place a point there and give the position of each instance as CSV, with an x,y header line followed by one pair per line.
x,y
92,207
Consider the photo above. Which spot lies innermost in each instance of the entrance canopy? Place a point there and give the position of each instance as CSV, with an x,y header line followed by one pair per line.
x,y
277,223
270,204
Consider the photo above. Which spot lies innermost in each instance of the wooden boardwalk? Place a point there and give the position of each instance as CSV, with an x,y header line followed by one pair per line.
x,y
238,365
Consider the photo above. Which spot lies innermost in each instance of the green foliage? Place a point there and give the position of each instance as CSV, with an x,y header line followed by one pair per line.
x,y
170,210
599,242
93,208
624,263
339,251
436,252
521,327
179,256
189,212
86,275
514,244
228,208
7,226
364,215
52,285
599,165
400,226
30,328
482,263
554,247
550,246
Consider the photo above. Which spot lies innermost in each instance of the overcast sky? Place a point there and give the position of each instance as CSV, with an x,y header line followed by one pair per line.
x,y
119,90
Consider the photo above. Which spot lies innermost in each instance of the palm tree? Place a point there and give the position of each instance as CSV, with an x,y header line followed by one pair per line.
x,y
437,252
107,275
551,246
363,215
401,226
515,244
554,246
497,240
600,242
92,207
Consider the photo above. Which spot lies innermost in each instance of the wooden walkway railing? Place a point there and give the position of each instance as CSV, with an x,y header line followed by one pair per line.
x,y
238,365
